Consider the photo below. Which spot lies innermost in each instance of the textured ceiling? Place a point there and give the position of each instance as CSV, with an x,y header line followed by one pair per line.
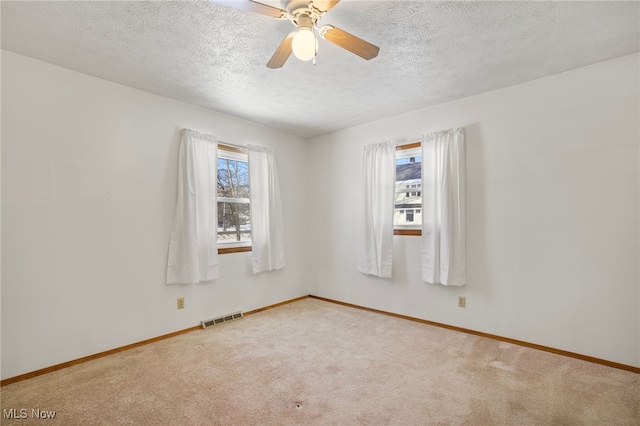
x,y
214,56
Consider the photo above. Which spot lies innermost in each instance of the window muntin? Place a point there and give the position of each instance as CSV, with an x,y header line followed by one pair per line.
x,y
407,218
234,210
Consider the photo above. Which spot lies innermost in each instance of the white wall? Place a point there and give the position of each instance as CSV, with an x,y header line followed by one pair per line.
x,y
89,184
553,214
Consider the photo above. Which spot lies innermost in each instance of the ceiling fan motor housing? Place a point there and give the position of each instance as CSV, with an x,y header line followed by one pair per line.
x,y
304,21
293,6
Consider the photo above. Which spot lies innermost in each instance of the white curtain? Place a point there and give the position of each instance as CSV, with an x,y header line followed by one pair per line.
x,y
378,192
267,235
193,251
443,208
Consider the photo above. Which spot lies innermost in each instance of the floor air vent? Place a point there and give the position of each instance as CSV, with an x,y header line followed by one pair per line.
x,y
219,320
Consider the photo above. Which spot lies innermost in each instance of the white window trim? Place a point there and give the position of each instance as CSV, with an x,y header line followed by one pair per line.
x,y
234,200
406,153
232,155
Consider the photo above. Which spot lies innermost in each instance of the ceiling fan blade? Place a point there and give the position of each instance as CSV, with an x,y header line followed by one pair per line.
x,y
282,53
347,41
255,7
325,5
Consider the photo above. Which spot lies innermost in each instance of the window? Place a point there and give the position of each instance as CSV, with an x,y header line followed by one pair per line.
x,y
234,215
407,219
409,216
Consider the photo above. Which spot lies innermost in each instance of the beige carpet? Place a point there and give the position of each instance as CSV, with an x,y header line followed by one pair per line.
x,y
315,363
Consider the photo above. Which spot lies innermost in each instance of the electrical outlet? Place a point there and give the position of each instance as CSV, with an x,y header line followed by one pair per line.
x,y
181,303
462,302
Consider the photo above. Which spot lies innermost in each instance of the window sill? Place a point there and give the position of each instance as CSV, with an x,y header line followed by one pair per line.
x,y
226,250
408,232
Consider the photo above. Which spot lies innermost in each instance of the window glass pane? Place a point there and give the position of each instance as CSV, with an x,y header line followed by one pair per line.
x,y
408,202
234,222
233,178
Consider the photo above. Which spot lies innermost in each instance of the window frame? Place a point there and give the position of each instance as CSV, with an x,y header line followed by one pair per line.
x,y
241,154
406,231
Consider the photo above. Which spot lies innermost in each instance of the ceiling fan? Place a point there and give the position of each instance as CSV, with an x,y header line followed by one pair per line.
x,y
304,15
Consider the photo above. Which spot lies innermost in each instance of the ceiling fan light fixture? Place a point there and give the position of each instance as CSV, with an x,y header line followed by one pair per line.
x,y
304,44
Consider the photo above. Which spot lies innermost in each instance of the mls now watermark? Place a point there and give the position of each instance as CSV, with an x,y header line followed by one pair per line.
x,y
23,413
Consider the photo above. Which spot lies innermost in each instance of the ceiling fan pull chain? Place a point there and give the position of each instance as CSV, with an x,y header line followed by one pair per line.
x,y
315,54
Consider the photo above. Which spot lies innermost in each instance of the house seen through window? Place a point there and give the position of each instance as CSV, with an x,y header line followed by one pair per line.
x,y
408,197
234,215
